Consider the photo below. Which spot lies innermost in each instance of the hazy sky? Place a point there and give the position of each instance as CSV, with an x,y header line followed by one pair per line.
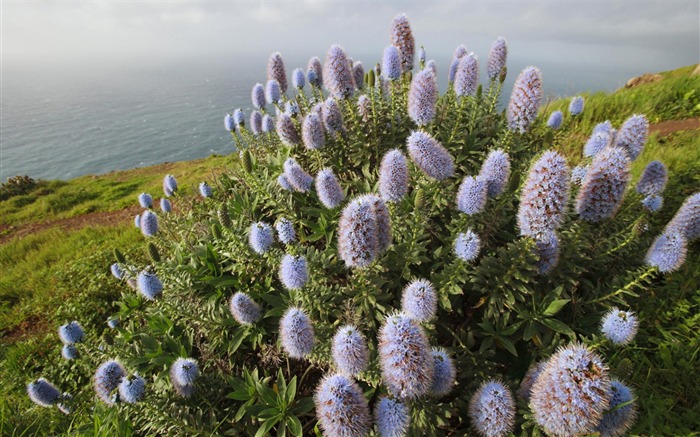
x,y
641,35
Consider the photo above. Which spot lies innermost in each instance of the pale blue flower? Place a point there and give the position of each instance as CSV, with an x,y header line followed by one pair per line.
x,y
496,171
71,333
276,71
525,99
43,393
687,219
471,197
287,131
268,124
165,205
619,326
525,389
604,186
117,271
148,223
391,63
653,203
597,142
358,74
296,333
467,245
618,419
169,185
256,119
402,39
632,136
293,271
667,252
106,380
497,58
430,156
244,309
341,407
314,72
337,73
492,410
467,76
555,120
132,389
257,96
145,200
328,188
419,300
349,350
444,373
576,106
69,352
547,251
422,97
149,285
261,237
285,231
393,176
298,78
296,176
332,117
653,180
392,417
205,190
272,91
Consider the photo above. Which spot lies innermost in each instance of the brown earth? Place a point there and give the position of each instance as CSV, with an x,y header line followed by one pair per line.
x,y
8,232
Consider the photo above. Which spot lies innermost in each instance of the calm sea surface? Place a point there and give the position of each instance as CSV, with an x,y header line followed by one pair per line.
x,y
60,124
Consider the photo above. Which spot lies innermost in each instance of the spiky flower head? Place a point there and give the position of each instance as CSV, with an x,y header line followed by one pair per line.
x,y
244,309
525,99
298,78
391,63
467,245
71,333
620,417
229,124
459,52
113,323
492,410
148,223
328,188
287,131
283,182
604,185
576,106
578,174
293,272
285,230
533,372
349,349
406,360
605,126
471,197
364,107
383,221
653,203
393,176
257,96
402,39
467,76
498,56
422,97
205,190
256,122
296,176
619,326
314,72
43,393
332,117
145,200
358,74
292,108
69,352
337,75
496,171
183,374
430,156
357,233
547,250
165,205
296,333
261,237
555,120
544,196
131,389
341,407
106,380
421,56
268,123
137,221
117,271
431,65
276,71
632,136
597,142
667,252
238,117
272,91
687,219
392,417
419,300
444,373
169,185
149,285
654,179
571,393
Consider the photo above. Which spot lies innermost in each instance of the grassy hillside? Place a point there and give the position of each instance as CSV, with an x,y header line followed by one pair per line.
x,y
54,275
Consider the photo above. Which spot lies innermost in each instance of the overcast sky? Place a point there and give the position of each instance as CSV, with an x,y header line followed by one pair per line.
x,y
134,31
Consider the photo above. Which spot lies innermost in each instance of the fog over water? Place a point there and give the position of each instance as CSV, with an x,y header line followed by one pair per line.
x,y
93,87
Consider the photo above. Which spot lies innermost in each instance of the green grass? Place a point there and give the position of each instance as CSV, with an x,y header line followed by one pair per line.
x,y
53,200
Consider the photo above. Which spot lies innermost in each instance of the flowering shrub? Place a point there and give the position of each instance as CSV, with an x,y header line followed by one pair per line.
x,y
378,247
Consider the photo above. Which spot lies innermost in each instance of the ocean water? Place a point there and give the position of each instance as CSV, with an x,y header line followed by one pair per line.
x,y
64,123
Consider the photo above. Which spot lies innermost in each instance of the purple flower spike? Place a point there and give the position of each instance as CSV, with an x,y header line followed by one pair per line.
x,y
276,71
498,56
256,122
391,63
287,131
349,349
358,242
261,237
444,373
653,180
467,246
364,107
619,326
296,176
106,380
405,356
229,124
576,106
496,171
547,250
471,197
328,188
293,272
272,91
459,52
604,185
43,393
244,309
298,78
687,220
314,72
393,176
492,410
419,300
337,75
312,132
238,117
148,223
257,95
268,123
632,136
145,200
467,76
525,99
597,143
392,417
668,252
555,120
358,74
430,156
422,97
341,407
545,195
525,389
618,419
285,231
296,333
402,38
149,285
332,117
169,185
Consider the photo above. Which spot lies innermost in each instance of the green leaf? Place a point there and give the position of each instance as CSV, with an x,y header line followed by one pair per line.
x,y
555,307
294,425
265,428
558,326
508,345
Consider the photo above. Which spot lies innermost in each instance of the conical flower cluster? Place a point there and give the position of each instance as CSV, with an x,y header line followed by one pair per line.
x,y
287,131
604,186
332,117
430,156
392,417
492,410
312,132
393,176
632,136
293,272
444,373
419,300
314,72
653,180
297,178
495,171
467,76
525,100
296,333
183,374
244,309
402,39
106,380
471,197
328,188
668,252
498,55
276,71
364,230
467,245
391,63
686,222
619,326
337,73
341,407
349,350
422,97
622,412
257,96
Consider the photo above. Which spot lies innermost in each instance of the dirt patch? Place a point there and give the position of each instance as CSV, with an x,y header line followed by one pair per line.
x,y
643,80
103,218
28,327
668,127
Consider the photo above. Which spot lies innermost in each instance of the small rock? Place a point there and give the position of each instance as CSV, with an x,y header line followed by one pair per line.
x,y
643,79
